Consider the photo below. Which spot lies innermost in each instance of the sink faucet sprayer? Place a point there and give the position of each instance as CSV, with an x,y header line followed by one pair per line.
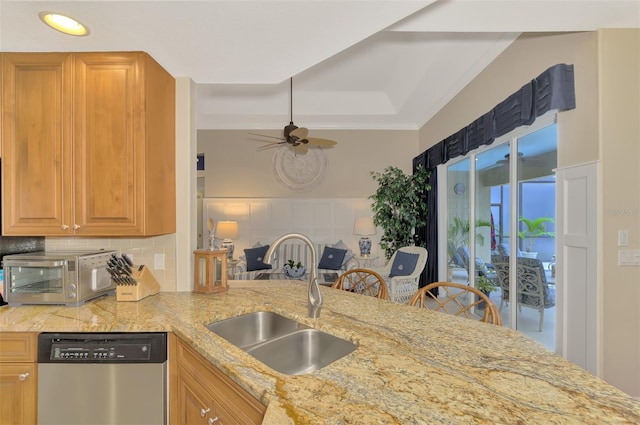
x,y
315,297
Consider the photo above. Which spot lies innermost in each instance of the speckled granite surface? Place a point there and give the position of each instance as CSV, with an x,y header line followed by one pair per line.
x,y
411,366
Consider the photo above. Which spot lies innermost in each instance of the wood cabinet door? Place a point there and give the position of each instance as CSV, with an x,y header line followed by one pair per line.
x,y
109,144
18,393
200,385
194,402
36,143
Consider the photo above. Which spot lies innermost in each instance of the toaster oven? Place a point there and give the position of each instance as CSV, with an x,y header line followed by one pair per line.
x,y
57,277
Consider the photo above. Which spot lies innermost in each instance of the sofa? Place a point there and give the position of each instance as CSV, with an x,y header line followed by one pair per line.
x,y
250,265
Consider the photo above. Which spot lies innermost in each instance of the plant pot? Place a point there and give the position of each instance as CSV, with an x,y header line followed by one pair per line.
x,y
294,273
481,306
527,254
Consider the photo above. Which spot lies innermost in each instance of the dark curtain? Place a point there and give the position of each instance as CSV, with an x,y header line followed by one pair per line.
x,y
553,89
430,159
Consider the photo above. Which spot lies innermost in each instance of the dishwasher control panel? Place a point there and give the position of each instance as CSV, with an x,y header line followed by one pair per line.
x,y
79,350
102,348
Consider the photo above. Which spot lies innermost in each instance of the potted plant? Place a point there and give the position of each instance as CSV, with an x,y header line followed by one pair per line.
x,y
484,285
399,207
294,270
534,228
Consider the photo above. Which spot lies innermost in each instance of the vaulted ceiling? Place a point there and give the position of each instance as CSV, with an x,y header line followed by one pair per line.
x,y
356,64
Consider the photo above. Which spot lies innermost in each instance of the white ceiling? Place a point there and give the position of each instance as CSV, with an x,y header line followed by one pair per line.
x,y
356,64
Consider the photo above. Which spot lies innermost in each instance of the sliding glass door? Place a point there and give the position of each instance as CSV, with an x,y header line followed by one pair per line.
x,y
500,208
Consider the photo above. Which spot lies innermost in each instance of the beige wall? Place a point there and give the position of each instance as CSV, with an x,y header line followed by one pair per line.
x,y
604,127
619,130
235,168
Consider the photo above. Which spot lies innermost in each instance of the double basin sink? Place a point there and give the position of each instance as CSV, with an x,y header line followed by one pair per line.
x,y
281,343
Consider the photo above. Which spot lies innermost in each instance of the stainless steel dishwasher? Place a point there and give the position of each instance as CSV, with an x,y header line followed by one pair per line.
x,y
102,378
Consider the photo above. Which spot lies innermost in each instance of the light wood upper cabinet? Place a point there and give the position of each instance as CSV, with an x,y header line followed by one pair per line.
x,y
88,145
18,378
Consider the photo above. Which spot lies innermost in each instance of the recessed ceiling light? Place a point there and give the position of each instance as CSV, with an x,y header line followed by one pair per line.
x,y
64,23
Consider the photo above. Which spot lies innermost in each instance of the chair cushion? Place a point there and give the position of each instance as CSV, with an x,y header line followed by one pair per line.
x,y
332,258
404,264
255,258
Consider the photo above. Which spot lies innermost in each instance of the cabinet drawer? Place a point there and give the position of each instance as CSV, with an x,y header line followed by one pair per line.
x,y
232,403
18,347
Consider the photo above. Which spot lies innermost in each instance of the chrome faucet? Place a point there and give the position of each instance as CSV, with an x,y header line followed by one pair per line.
x,y
314,295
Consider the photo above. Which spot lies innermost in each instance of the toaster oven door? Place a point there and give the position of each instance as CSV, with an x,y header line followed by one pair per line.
x,y
35,281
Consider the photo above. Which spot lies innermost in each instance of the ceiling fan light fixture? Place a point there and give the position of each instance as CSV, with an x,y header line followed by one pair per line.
x,y
64,24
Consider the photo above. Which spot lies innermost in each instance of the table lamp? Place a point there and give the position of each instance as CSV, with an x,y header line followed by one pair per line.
x,y
227,230
364,227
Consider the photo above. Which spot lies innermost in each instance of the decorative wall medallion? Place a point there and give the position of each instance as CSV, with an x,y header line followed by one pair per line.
x,y
299,172
458,189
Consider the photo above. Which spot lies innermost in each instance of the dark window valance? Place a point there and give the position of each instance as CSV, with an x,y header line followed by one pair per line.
x,y
553,89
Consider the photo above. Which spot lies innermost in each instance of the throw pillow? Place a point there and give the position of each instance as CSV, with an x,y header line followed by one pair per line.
x,y
332,258
403,264
349,254
255,258
243,258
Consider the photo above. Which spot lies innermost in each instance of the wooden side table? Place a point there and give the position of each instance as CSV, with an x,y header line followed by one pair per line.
x,y
210,274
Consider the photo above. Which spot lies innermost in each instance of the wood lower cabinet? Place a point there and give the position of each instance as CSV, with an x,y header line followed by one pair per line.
x,y
88,145
18,378
202,394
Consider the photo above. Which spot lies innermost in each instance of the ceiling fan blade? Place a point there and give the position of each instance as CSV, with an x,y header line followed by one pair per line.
x,y
300,149
270,145
264,135
323,143
300,133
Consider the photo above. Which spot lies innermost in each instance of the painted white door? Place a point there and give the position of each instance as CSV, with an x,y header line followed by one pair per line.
x,y
576,200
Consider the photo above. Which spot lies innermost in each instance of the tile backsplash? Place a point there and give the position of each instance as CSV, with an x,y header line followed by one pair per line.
x,y
141,250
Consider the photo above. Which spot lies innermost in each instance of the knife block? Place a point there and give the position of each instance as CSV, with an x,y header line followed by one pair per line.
x,y
145,286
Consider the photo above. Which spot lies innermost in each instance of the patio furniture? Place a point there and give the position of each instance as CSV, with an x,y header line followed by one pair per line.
x,y
482,268
533,290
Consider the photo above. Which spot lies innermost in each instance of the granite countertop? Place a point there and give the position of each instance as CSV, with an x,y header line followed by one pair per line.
x,y
411,366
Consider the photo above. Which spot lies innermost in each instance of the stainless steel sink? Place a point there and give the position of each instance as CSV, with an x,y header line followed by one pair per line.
x,y
282,344
249,329
301,352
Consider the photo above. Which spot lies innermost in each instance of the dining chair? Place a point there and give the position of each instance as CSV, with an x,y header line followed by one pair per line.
x,y
457,299
362,281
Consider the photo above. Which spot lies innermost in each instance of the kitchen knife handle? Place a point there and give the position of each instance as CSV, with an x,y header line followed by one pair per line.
x,y
127,259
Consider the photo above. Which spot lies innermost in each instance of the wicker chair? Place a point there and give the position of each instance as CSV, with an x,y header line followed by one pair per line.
x,y
363,281
402,288
459,300
533,291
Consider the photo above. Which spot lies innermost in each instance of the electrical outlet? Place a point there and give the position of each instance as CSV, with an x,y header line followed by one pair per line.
x,y
629,258
158,260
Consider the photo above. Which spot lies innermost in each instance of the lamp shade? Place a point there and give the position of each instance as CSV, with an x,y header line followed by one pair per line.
x,y
227,230
364,226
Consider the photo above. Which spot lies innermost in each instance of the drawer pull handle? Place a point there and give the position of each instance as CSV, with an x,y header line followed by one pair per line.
x,y
203,412
213,420
23,376
76,226
64,227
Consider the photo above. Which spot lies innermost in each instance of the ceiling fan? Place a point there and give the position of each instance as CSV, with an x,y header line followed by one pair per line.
x,y
521,160
296,136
